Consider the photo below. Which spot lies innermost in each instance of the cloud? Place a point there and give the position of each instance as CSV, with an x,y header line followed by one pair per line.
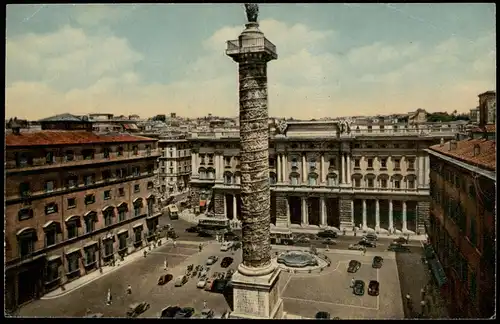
x,y
84,70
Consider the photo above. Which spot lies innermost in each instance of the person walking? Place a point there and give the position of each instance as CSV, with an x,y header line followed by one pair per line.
x,y
144,252
204,304
422,293
129,290
175,243
200,247
109,297
165,264
352,283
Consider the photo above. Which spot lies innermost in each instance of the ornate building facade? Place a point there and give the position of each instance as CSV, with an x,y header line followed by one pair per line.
x,y
75,201
324,174
174,166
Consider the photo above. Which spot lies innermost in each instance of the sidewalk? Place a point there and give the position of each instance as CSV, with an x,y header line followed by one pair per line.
x,y
96,274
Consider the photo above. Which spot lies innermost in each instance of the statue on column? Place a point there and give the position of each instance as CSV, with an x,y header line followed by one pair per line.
x,y
252,10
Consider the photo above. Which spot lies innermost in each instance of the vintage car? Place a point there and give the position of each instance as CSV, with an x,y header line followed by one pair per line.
x,y
136,309
164,279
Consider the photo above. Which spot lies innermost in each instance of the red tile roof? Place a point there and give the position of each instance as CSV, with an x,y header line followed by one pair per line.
x,y
69,138
491,128
465,152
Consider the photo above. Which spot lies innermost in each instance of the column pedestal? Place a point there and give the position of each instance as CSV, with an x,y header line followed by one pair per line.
x,y
257,297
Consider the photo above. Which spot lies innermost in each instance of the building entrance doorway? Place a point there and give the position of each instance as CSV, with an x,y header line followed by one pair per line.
x,y
229,207
295,210
333,212
313,210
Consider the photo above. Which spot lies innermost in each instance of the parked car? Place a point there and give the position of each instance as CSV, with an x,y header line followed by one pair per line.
x,y
212,259
172,234
203,272
354,266
181,280
371,236
396,247
329,241
192,229
201,282
94,315
229,274
199,267
169,312
164,279
359,287
373,288
136,309
185,312
401,240
230,236
356,247
219,285
328,233
367,243
226,262
322,315
204,234
236,245
303,239
209,284
226,246
377,262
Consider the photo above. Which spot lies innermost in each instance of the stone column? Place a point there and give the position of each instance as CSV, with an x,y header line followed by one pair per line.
x,y
348,169
342,177
364,214
322,204
304,169
420,171
288,212
284,176
194,169
323,175
221,163
377,215
391,216
427,166
225,205
305,212
404,217
278,167
352,211
235,207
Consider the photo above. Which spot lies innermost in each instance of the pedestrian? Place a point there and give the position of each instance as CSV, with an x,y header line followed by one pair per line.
x,y
327,247
352,282
422,306
344,231
422,293
129,290
204,304
408,300
200,247
109,299
175,243
165,264
364,250
144,253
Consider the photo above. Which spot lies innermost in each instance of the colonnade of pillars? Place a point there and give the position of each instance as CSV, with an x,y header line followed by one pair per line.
x,y
403,223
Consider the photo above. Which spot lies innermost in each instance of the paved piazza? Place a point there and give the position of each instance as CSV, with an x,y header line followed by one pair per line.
x,y
303,294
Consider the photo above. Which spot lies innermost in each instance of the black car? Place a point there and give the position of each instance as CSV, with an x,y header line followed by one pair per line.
x,y
192,229
322,315
377,262
359,288
204,234
354,266
185,312
170,312
367,243
220,285
172,234
396,247
236,245
230,236
303,239
373,288
136,309
226,262
328,234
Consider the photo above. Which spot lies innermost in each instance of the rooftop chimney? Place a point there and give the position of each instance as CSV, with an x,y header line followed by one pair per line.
x,y
453,145
477,150
441,143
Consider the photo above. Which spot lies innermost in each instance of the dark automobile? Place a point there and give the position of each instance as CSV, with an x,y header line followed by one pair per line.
x,y
169,312
185,312
367,243
219,285
204,234
328,233
396,247
322,315
137,309
359,288
401,240
229,274
230,236
172,234
226,262
354,266
192,229
371,237
377,262
303,239
373,288
236,245
164,279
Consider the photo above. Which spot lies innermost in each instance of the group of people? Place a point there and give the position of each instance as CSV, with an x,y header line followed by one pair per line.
x,y
109,297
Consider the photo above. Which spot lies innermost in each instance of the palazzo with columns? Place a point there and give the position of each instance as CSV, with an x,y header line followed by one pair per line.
x,y
321,177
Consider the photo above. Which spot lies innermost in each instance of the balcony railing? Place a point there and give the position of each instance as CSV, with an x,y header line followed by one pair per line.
x,y
260,44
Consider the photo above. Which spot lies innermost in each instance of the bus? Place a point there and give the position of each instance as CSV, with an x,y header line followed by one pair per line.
x,y
173,212
213,225
281,236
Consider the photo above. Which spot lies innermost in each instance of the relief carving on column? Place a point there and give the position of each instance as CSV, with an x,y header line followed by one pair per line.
x,y
254,137
219,204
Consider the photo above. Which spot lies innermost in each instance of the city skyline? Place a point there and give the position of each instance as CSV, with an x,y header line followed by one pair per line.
x,y
95,58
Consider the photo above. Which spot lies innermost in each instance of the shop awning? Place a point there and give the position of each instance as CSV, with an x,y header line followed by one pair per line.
x,y
438,272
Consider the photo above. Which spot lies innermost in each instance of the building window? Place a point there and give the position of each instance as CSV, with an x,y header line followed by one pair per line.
x,y
72,229
90,258
272,178
49,157
27,243
210,159
295,179
137,188
106,175
121,173
227,178
108,247
122,241
370,163
108,217
411,184
136,171
396,164
356,164
23,160
122,213
369,129
137,235
24,189
135,150
24,214
89,199
49,186
51,208
73,262
69,156
171,170
148,150
411,164
150,185
150,168
137,208
52,271
88,154
312,165
370,183
71,203
90,223
107,194
50,236
106,153
312,180
356,146
332,163
383,163
119,152
383,183
227,160
72,181
89,179
397,184
121,192
357,183
163,170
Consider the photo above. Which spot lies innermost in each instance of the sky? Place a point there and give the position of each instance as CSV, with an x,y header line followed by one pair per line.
x,y
333,59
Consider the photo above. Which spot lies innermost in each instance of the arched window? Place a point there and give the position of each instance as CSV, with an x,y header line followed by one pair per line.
x,y
332,179
211,173
228,177
108,213
294,178
90,220
313,179
272,178
122,211
202,173
237,177
137,207
151,203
